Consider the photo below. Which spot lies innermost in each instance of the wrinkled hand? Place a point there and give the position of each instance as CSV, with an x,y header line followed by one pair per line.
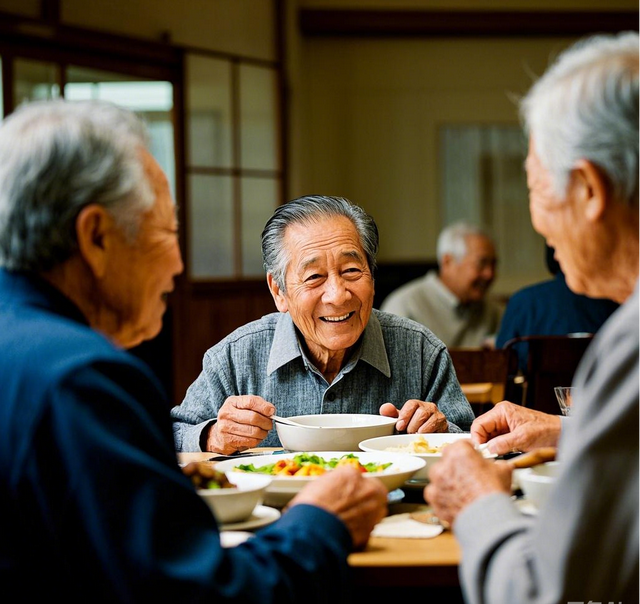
x,y
417,416
508,427
461,477
358,501
243,422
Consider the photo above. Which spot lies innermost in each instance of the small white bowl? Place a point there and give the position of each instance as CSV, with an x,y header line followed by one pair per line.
x,y
435,439
536,482
283,488
333,432
236,505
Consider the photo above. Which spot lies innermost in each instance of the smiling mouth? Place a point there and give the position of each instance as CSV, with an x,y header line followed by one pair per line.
x,y
339,319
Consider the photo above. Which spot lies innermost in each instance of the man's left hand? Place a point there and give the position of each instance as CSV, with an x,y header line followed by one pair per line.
x,y
417,417
461,477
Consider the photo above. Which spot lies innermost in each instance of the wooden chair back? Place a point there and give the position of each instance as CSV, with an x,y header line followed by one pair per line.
x,y
551,361
475,365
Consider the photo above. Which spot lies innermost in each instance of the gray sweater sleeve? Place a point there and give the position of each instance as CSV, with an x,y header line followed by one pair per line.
x,y
444,390
583,546
201,403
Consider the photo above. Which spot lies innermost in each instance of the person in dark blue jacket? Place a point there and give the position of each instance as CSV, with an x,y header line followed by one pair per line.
x,y
93,505
550,308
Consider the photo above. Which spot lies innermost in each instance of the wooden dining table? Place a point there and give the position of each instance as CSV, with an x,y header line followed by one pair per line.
x,y
394,562
483,392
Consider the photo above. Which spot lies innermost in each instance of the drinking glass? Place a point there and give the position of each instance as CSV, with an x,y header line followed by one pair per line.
x,y
563,394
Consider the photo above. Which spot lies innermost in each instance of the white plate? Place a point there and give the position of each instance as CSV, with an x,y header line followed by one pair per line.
x,y
434,439
262,516
233,538
283,488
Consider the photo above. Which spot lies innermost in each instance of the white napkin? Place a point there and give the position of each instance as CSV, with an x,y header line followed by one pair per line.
x,y
233,538
404,527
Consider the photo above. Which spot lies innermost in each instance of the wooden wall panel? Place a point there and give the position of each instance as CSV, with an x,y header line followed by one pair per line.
x,y
206,318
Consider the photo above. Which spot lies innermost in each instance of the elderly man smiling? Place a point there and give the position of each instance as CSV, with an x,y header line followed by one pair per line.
x,y
88,472
326,351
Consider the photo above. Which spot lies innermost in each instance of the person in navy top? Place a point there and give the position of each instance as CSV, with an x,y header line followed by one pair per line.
x,y
550,308
93,504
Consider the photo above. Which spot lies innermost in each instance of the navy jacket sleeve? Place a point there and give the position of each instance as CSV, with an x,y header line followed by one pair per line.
x,y
125,522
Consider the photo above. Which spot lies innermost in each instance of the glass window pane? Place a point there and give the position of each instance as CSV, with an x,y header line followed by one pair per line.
x,y
259,200
208,112
35,81
211,226
258,118
152,100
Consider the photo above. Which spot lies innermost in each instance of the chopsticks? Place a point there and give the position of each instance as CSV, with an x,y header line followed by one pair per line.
x,y
533,458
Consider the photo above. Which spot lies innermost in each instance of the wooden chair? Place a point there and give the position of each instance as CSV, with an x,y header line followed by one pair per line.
x,y
493,368
552,361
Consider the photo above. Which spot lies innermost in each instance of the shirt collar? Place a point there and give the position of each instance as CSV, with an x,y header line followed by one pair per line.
x,y
286,346
27,288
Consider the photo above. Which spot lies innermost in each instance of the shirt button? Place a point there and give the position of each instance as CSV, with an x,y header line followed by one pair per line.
x,y
331,397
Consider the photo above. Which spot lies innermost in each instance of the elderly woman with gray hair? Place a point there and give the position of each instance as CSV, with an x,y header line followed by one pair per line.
x,y
327,350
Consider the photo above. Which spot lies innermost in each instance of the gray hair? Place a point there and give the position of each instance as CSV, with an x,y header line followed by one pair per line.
x,y
56,157
586,107
305,210
453,240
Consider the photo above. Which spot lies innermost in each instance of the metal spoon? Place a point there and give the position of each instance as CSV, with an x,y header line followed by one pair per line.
x,y
289,422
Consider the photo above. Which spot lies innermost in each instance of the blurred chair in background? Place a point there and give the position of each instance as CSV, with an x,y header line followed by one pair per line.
x,y
551,361
485,375
550,308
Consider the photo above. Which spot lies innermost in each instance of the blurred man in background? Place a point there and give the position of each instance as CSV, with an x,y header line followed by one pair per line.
x,y
453,302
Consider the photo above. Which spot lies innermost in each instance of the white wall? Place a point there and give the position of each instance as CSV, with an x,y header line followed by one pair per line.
x,y
371,113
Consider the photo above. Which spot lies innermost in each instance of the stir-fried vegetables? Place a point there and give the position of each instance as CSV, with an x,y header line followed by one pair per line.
x,y
304,464
204,476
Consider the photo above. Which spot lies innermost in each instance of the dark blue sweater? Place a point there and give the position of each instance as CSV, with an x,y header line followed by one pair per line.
x,y
550,308
93,506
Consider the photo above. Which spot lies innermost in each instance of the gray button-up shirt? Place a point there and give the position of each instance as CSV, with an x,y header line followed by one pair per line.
x,y
396,360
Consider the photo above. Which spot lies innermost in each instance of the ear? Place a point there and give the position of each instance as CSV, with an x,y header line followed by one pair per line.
x,y
93,231
590,188
446,261
278,297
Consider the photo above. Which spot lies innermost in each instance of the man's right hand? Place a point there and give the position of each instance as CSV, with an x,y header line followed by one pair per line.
x,y
358,501
508,427
243,422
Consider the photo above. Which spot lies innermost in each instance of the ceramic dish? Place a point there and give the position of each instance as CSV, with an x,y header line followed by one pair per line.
x,y
233,538
536,482
332,432
436,440
236,504
261,516
283,488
